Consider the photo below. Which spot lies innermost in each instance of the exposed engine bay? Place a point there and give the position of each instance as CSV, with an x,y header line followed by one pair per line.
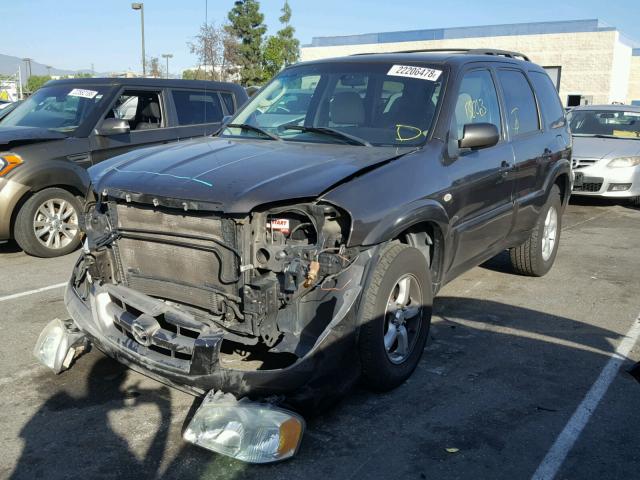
x,y
196,287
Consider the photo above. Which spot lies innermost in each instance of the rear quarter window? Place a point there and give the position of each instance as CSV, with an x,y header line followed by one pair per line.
x,y
227,98
552,111
197,106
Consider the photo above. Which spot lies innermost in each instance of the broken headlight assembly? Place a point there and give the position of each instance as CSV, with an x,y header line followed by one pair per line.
x,y
248,431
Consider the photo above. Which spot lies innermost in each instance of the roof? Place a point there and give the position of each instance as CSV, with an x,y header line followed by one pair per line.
x,y
147,82
450,58
617,108
533,28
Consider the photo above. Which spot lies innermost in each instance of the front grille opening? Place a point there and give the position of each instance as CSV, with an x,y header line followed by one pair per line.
x,y
162,351
188,332
592,187
182,356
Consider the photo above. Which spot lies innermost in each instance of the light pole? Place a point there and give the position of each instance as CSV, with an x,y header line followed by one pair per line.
x,y
48,67
28,62
167,56
140,6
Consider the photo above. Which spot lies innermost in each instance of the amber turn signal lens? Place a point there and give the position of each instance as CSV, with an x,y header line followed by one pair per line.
x,y
8,161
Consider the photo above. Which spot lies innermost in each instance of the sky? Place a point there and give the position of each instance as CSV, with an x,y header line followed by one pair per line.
x,y
73,34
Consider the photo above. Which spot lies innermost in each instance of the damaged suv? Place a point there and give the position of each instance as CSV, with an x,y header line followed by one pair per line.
x,y
300,249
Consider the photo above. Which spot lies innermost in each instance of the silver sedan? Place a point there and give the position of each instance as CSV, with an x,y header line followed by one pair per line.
x,y
606,151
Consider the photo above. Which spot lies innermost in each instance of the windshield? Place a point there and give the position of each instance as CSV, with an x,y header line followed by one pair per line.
x,y
364,104
609,123
61,108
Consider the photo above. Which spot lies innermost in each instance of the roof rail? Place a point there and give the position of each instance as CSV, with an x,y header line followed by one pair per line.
x,y
473,51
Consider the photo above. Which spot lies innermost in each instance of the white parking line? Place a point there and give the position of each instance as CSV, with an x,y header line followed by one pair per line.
x,y
552,462
31,292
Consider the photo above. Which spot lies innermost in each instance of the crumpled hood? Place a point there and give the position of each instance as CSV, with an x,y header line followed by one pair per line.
x,y
14,136
236,174
594,147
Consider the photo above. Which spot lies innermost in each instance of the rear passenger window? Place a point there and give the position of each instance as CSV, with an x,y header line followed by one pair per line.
x,y
552,110
477,102
227,98
522,113
194,107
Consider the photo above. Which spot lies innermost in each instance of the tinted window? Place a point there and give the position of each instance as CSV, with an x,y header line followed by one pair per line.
x,y
522,114
227,98
552,111
195,107
477,102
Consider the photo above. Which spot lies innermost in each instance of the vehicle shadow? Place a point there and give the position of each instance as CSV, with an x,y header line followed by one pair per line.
x,y
492,375
9,247
71,436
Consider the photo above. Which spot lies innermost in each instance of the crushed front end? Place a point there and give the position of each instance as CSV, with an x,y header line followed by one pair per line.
x,y
259,305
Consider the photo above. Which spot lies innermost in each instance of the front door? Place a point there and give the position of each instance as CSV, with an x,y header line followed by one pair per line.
x,y
482,194
145,111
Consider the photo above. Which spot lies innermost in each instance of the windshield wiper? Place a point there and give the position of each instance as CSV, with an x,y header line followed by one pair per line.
x,y
328,131
601,135
246,126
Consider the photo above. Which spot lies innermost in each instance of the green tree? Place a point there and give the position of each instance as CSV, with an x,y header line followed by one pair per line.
x,y
246,24
34,82
282,49
192,74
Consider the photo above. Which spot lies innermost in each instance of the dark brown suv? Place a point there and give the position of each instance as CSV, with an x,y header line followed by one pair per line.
x,y
48,141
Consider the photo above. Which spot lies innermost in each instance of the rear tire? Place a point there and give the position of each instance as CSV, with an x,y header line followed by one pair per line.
x,y
536,256
635,201
394,316
47,224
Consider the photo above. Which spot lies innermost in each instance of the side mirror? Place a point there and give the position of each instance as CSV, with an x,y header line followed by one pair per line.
x,y
113,126
479,135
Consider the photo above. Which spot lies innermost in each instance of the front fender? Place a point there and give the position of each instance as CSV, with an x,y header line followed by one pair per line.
x,y
405,216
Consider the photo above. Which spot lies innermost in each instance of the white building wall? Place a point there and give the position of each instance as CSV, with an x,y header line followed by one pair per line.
x,y
588,59
634,80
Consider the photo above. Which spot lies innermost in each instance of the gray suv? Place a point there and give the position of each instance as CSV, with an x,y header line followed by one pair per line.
x,y
69,125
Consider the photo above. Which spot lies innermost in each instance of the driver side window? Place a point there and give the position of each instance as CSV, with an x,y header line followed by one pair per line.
x,y
141,109
477,102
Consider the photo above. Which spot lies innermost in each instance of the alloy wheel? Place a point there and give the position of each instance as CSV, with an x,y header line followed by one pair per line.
x,y
55,223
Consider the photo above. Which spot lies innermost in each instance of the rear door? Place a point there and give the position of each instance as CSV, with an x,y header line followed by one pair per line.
x,y
530,146
482,205
145,109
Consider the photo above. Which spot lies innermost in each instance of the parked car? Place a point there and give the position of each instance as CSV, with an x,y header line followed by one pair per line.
x,y
275,265
606,151
48,141
7,107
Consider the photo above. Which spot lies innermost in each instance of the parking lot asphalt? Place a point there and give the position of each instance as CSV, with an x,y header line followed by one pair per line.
x,y
509,362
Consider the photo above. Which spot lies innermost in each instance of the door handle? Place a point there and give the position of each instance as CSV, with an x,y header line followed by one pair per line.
x,y
505,168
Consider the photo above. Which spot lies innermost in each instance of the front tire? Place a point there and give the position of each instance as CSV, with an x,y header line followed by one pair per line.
x,y
47,224
395,316
536,256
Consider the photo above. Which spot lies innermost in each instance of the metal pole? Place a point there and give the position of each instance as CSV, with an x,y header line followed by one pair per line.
x,y
20,80
167,56
144,60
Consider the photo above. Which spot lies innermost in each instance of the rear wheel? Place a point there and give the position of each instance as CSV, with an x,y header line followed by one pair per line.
x,y
395,316
536,256
47,224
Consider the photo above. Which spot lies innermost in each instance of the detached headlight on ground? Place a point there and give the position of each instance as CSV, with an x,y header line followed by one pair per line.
x,y
58,344
623,162
248,431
